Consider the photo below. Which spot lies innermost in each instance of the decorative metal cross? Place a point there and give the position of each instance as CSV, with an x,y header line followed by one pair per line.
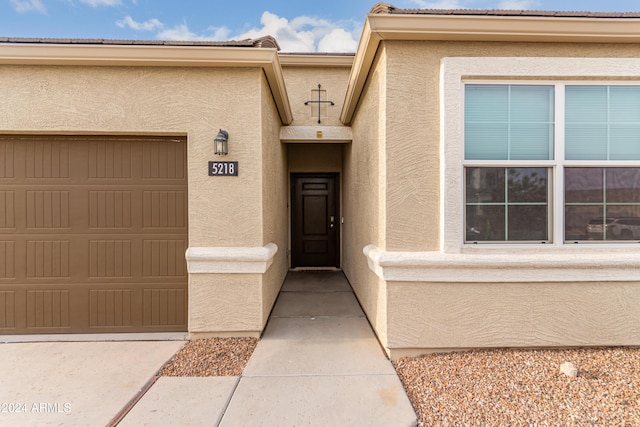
x,y
319,102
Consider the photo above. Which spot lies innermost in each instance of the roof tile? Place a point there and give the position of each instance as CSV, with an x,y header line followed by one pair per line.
x,y
263,42
386,8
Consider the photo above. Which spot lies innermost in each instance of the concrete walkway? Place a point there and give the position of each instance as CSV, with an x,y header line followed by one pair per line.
x,y
318,363
74,383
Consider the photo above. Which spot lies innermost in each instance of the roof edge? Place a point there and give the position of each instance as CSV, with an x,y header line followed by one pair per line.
x,y
262,42
513,13
315,60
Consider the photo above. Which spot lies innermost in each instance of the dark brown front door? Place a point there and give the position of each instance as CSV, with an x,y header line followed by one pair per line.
x,y
315,225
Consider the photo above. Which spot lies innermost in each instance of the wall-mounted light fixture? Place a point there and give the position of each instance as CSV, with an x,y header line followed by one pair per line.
x,y
221,143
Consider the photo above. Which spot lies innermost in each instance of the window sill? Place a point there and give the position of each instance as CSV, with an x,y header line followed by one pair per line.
x,y
613,263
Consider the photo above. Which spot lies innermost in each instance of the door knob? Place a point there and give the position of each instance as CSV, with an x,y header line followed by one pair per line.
x,y
331,221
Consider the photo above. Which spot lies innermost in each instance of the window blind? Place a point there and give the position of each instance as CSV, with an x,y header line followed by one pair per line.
x,y
509,122
602,123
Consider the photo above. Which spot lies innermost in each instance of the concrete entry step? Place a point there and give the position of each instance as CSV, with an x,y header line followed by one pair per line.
x,y
307,281
315,304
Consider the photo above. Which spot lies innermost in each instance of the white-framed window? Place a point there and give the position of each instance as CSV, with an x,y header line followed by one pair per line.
x,y
551,162
559,72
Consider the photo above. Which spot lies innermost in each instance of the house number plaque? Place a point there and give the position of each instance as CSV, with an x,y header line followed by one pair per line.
x,y
223,168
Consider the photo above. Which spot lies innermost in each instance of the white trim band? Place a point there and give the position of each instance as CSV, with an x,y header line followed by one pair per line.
x,y
228,260
513,266
329,134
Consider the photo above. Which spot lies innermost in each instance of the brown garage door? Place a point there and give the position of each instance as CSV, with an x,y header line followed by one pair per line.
x,y
92,234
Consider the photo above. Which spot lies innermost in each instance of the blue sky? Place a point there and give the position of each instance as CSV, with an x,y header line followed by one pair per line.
x,y
298,25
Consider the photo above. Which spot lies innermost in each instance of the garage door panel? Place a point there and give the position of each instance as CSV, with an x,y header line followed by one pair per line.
x,y
164,307
47,159
111,308
162,162
48,259
7,310
110,159
137,209
43,208
164,209
110,258
7,259
164,258
93,308
93,233
47,209
48,308
6,159
110,209
7,209
38,309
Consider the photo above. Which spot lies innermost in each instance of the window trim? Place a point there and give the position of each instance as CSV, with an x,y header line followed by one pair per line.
x,y
457,72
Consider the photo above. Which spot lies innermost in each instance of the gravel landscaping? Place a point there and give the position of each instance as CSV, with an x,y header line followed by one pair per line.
x,y
211,357
480,388
524,387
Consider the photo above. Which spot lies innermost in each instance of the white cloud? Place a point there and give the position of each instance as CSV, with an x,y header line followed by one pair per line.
x,y
219,33
306,34
338,40
179,33
25,6
183,33
150,25
97,3
289,37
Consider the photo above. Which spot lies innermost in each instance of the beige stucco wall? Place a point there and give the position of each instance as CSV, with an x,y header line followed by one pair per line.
x,y
274,200
429,315
225,305
364,197
302,81
446,316
196,102
413,127
156,100
412,145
